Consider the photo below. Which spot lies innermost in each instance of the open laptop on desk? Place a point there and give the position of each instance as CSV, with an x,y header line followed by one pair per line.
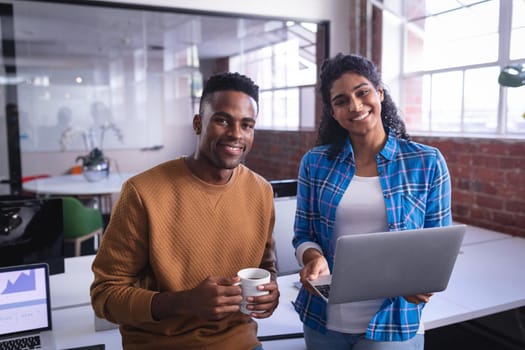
x,y
25,310
389,264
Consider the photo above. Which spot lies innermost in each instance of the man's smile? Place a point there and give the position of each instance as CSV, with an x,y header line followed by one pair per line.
x,y
232,148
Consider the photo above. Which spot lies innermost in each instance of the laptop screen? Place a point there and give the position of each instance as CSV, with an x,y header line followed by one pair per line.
x,y
24,299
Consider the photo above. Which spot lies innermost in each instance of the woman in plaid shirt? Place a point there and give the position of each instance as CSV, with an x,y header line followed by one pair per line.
x,y
364,175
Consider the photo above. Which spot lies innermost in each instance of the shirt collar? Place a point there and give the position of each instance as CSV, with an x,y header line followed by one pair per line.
x,y
388,152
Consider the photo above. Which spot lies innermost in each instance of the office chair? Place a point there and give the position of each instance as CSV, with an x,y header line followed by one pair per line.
x,y
80,223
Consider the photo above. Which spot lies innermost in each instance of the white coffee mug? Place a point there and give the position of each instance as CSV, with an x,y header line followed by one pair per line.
x,y
250,279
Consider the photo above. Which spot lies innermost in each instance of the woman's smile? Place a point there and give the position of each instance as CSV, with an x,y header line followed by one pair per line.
x,y
360,117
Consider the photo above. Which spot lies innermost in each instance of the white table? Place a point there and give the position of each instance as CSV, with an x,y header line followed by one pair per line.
x,y
71,288
74,327
476,235
488,278
77,185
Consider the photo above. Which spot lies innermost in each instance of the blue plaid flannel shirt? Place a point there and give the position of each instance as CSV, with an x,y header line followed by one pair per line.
x,y
416,187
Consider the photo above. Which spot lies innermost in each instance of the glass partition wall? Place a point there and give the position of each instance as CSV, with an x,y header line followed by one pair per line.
x,y
130,79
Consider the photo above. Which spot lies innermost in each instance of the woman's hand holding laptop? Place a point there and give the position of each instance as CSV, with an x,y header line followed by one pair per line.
x,y
315,265
418,298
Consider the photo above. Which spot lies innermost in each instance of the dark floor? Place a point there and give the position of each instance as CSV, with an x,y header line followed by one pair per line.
x,y
502,331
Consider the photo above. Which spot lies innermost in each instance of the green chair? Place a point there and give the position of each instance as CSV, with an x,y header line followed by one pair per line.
x,y
80,223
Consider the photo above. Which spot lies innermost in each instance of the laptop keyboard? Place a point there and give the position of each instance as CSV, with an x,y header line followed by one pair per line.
x,y
26,343
324,289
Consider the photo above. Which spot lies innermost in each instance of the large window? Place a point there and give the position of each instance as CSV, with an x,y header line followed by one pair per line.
x,y
122,78
452,54
286,72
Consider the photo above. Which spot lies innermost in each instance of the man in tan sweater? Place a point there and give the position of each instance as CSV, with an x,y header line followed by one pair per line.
x,y
179,232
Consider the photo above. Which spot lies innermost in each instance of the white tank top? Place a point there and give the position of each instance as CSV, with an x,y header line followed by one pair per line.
x,y
361,210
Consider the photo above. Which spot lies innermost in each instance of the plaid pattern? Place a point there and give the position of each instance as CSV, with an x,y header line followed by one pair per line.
x,y
416,188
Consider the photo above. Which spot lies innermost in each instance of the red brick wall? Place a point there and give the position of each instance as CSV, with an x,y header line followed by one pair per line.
x,y
488,181
488,176
276,154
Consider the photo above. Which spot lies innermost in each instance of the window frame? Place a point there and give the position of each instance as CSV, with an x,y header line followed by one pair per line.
x,y
503,60
303,124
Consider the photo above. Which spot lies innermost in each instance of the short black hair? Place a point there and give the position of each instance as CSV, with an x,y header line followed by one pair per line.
x,y
229,82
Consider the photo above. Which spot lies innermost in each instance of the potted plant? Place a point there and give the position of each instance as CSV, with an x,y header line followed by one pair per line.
x,y
95,166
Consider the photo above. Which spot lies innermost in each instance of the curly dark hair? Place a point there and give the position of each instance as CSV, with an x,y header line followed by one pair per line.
x,y
229,81
330,132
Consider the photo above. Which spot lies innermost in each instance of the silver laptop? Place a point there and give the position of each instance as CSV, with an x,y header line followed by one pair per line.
x,y
25,310
389,264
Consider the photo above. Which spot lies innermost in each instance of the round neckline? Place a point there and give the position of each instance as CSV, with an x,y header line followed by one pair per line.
x,y
366,178
207,184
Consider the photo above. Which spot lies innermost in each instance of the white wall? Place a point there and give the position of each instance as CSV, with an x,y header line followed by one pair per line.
x,y
178,139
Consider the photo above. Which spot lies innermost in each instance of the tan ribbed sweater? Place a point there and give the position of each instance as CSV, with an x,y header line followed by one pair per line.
x,y
169,231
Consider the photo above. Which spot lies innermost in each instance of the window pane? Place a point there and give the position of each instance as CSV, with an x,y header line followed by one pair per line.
x,y
440,91
446,102
445,40
517,48
416,103
286,109
264,119
516,110
481,100
307,109
286,63
394,6
145,75
426,8
279,109
415,47
280,68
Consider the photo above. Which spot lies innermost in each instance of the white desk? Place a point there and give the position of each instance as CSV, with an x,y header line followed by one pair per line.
x,y
77,185
476,235
71,288
488,278
74,327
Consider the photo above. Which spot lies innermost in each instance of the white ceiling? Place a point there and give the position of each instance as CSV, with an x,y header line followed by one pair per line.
x,y
65,37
